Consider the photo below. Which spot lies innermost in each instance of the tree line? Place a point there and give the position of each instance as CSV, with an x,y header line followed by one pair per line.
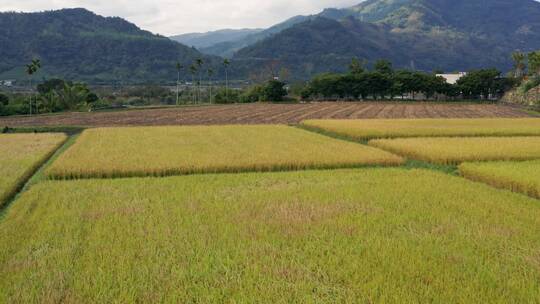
x,y
385,82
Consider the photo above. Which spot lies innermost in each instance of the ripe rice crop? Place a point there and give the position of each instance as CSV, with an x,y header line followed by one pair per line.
x,y
523,177
392,128
363,235
160,151
20,155
454,150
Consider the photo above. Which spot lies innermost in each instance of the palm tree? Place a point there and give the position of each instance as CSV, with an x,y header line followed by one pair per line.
x,y
31,69
226,64
193,71
199,63
519,63
179,67
210,74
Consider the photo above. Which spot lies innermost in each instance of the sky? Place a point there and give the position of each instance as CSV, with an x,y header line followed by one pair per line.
x,y
170,17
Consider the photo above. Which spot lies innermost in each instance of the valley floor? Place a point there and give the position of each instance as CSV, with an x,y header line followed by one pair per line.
x,y
266,114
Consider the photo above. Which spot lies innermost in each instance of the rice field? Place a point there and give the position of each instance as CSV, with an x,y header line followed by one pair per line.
x,y
392,128
523,177
20,155
161,151
451,150
288,237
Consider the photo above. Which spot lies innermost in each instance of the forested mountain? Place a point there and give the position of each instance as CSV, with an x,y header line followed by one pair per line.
x,y
80,45
424,34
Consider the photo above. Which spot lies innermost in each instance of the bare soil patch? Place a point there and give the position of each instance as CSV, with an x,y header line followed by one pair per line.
x,y
266,114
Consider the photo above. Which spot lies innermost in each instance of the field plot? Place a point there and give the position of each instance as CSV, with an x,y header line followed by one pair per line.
x,y
160,151
521,177
262,113
20,155
455,150
305,236
387,128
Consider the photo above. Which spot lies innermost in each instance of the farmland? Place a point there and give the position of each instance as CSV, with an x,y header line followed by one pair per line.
x,y
160,151
266,114
191,214
308,236
454,150
387,128
521,177
21,154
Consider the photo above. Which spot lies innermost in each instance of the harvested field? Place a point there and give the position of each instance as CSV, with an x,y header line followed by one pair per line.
x,y
390,128
161,151
345,236
455,150
266,114
523,177
20,155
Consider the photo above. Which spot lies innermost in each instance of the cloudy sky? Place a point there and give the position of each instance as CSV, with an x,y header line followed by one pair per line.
x,y
168,17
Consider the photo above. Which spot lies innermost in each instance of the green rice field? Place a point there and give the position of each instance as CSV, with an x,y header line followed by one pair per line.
x,y
523,177
391,128
454,150
309,236
160,151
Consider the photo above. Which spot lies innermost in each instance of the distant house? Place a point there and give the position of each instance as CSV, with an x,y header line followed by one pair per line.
x,y
7,83
452,78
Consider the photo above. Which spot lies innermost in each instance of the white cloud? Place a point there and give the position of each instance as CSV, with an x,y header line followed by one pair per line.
x,y
169,17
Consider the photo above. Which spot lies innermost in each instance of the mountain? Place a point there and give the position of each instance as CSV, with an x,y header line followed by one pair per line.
x,y
228,48
208,39
80,45
424,34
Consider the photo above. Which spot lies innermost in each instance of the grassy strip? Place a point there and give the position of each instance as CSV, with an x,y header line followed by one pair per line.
x,y
373,235
452,151
22,156
395,128
165,151
522,177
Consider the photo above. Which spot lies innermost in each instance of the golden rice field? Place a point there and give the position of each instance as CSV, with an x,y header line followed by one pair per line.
x,y
339,236
20,155
454,150
160,151
391,128
523,177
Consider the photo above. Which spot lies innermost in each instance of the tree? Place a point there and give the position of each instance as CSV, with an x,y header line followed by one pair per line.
x,y
519,64
480,83
210,72
54,84
226,64
4,99
31,69
199,62
179,67
49,101
357,67
73,95
534,63
193,71
384,67
274,91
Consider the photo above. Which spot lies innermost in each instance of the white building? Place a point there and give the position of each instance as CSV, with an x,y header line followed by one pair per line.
x,y
452,78
7,83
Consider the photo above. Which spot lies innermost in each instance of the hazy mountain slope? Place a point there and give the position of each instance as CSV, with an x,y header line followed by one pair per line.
x,y
228,48
204,40
77,44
